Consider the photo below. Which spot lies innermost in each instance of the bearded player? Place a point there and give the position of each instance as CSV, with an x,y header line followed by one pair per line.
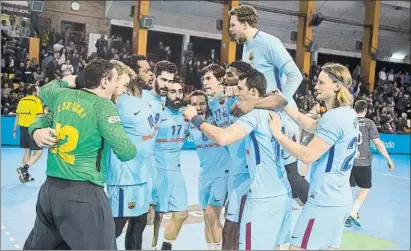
x,y
169,184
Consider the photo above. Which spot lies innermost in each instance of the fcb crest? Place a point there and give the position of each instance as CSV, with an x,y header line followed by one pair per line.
x,y
131,205
221,100
251,56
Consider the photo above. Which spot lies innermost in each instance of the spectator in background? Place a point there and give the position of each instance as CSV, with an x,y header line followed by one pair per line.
x,y
66,68
28,72
58,46
167,53
38,75
19,73
11,103
406,79
62,56
14,31
101,43
21,91
390,76
6,89
212,58
5,79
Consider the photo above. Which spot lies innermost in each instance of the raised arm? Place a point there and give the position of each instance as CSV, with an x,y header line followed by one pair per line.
x,y
282,60
304,121
271,101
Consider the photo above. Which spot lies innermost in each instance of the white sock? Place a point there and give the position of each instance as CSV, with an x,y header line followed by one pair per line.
x,y
151,248
210,246
356,207
218,246
169,241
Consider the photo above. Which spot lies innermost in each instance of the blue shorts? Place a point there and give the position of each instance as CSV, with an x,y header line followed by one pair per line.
x,y
129,201
320,227
293,132
266,223
212,192
171,191
238,187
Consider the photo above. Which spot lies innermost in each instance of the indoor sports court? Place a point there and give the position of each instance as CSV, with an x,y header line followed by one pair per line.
x,y
385,216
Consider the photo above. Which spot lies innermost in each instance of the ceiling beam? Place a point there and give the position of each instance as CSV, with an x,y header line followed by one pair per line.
x,y
402,4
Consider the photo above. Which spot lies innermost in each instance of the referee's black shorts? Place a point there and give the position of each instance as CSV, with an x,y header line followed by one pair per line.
x,y
361,176
26,141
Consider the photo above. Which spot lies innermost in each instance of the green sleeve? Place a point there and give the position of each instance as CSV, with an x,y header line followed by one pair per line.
x,y
113,132
44,121
49,92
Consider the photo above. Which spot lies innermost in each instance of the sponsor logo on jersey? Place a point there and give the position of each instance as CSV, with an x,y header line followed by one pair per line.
x,y
113,119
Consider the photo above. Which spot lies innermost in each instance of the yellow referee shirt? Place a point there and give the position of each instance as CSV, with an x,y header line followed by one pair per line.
x,y
28,108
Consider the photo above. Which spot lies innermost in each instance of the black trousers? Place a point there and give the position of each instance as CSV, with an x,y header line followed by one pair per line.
x,y
72,215
299,185
135,229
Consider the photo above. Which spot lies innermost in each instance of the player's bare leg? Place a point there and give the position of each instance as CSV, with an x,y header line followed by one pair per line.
x,y
26,156
150,215
173,229
212,216
207,234
361,197
231,235
158,217
292,247
34,158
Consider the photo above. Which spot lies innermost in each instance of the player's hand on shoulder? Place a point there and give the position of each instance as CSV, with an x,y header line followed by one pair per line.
x,y
45,137
189,112
242,107
71,80
275,123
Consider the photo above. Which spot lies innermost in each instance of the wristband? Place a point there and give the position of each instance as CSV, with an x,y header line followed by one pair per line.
x,y
197,121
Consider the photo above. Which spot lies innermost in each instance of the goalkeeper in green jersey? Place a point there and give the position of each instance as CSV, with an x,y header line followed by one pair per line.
x,y
72,207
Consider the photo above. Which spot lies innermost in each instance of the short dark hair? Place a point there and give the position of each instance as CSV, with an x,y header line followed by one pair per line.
x,y
133,60
256,79
217,70
166,66
95,71
245,13
32,89
242,67
197,93
360,105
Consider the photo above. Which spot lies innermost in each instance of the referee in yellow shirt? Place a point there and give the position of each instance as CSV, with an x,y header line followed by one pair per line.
x,y
27,111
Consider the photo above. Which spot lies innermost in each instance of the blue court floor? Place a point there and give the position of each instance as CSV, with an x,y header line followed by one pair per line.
x,y
385,216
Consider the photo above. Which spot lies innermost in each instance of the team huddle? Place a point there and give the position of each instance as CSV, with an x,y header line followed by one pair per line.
x,y
124,126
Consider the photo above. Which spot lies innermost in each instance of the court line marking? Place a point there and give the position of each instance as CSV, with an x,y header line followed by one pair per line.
x,y
11,238
391,175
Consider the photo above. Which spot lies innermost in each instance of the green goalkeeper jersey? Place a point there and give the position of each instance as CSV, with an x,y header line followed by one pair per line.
x,y
86,126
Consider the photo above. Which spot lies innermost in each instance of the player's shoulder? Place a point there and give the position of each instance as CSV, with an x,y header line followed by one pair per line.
x,y
340,114
268,38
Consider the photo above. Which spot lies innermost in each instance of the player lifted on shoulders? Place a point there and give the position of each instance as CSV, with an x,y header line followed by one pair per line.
x,y
169,184
361,172
331,152
212,183
267,54
266,220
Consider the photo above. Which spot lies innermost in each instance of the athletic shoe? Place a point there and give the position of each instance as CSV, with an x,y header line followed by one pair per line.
x,y
351,221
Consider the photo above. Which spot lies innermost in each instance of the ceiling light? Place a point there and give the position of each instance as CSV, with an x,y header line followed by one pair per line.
x,y
398,56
